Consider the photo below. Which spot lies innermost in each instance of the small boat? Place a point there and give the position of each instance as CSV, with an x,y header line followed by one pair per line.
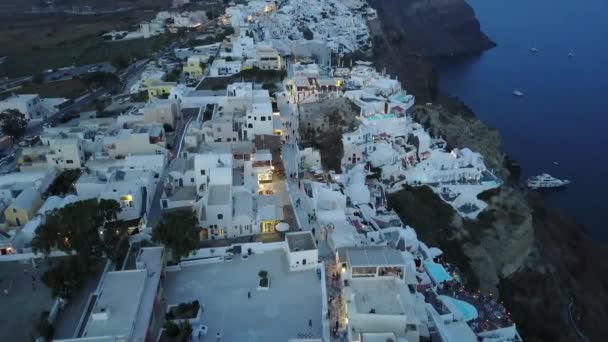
x,y
555,163
571,54
545,181
533,50
517,93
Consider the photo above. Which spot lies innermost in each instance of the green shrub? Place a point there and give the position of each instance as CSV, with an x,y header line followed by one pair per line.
x,y
171,329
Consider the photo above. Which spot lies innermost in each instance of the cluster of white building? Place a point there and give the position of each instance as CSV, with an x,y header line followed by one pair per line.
x,y
222,166
391,284
162,23
388,139
119,158
375,280
330,22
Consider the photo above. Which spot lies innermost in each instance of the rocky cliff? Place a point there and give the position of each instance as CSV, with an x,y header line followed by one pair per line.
x,y
546,270
433,28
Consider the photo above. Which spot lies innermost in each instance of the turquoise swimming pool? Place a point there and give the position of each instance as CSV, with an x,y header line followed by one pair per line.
x,y
436,271
381,116
469,312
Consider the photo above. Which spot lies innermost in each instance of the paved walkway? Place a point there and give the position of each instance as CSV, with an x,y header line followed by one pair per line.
x,y
289,116
155,211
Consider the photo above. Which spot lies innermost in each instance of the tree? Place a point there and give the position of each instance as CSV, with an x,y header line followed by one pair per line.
x,y
13,123
186,329
120,62
142,96
64,183
171,329
44,327
100,78
38,78
67,277
76,228
178,232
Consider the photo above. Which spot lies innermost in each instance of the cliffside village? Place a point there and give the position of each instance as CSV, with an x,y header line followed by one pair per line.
x,y
242,156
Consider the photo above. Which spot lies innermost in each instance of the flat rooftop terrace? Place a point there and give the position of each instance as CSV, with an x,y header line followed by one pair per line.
x,y
281,313
300,241
380,295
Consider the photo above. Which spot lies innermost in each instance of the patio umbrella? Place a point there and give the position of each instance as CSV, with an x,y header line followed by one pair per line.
x,y
434,252
282,227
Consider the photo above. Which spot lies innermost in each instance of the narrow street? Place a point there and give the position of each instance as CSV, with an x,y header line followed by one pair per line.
x,y
304,213
155,212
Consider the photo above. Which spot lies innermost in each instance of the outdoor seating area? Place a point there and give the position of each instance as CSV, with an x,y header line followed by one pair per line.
x,y
491,314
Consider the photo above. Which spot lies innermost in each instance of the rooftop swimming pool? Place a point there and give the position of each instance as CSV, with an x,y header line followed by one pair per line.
x,y
469,312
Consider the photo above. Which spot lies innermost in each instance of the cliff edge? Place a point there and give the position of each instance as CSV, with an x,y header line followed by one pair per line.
x,y
544,267
434,28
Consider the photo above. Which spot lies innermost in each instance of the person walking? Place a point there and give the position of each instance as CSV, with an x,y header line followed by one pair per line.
x,y
249,294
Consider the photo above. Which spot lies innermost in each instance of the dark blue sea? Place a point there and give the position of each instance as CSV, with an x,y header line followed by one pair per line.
x,y
563,116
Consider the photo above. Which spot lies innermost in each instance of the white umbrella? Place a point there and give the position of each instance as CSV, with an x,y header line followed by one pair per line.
x,y
434,252
282,227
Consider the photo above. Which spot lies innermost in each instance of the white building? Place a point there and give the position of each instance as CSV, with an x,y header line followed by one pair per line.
x,y
66,153
243,218
136,140
28,104
126,307
165,112
378,301
243,45
267,58
302,253
262,166
132,189
222,67
216,213
205,163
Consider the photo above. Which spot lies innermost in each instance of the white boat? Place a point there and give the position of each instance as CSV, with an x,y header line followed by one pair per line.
x,y
517,93
533,50
571,54
545,181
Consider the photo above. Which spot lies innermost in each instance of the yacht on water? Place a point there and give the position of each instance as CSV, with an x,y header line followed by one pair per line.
x,y
545,181
517,93
533,50
571,54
